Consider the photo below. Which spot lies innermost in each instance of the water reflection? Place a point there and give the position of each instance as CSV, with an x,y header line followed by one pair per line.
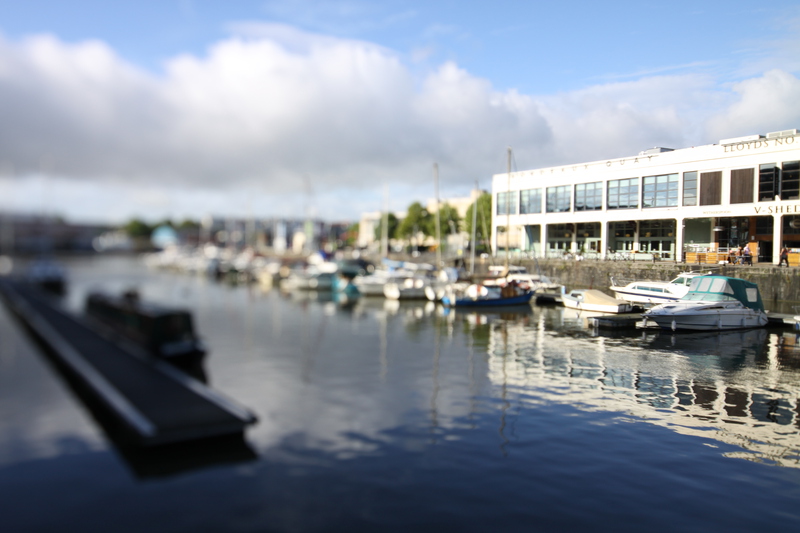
x,y
741,385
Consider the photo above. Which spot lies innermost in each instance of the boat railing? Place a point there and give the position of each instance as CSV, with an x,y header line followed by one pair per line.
x,y
622,282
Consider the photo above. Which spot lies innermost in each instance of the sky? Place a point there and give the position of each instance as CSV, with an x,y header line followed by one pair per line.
x,y
255,108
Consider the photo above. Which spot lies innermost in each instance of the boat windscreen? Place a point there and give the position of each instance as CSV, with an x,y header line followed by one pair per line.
x,y
721,285
708,297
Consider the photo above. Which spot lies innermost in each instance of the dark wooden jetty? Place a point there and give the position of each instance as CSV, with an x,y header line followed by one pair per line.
x,y
153,402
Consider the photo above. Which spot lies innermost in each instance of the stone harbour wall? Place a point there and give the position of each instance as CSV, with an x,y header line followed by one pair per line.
x,y
777,284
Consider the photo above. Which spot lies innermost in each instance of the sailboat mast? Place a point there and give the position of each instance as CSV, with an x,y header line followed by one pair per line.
x,y
508,208
438,226
474,232
385,223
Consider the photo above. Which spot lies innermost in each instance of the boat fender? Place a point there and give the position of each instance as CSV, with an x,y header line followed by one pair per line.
x,y
674,326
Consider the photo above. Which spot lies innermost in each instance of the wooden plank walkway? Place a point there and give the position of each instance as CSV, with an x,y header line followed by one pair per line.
x,y
155,402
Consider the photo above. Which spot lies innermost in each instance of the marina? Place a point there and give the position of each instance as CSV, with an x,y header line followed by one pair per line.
x,y
386,414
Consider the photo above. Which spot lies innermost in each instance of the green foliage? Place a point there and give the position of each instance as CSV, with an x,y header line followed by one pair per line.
x,y
484,219
188,224
137,228
393,223
447,215
417,220
351,236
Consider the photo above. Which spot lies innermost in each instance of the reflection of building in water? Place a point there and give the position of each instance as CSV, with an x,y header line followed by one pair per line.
x,y
742,384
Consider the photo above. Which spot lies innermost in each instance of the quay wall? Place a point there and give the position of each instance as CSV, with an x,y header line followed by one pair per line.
x,y
777,284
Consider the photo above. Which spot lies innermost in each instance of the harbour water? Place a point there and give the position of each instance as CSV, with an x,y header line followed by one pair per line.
x,y
384,416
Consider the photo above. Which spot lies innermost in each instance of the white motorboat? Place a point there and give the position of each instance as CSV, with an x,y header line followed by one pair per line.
x,y
412,288
713,303
309,280
655,292
594,300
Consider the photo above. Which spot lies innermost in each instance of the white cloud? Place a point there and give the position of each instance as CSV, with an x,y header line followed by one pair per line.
x,y
763,104
276,115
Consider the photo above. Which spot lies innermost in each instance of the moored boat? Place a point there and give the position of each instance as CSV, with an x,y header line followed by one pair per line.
x,y
594,300
164,332
713,303
512,293
654,292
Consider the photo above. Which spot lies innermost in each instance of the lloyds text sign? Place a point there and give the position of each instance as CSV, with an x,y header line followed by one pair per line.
x,y
755,145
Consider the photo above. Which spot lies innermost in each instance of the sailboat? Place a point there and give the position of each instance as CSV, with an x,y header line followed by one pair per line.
x,y
503,291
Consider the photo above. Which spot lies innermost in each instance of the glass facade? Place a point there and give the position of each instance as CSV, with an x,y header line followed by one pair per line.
x,y
506,201
690,188
589,196
660,191
768,185
558,199
530,201
790,181
623,194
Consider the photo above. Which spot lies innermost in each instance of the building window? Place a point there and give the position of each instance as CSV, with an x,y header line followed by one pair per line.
x,y
790,181
764,225
768,186
558,199
530,201
690,188
623,194
660,191
506,201
589,196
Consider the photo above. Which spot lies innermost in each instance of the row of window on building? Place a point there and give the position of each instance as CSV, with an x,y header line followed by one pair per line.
x,y
699,188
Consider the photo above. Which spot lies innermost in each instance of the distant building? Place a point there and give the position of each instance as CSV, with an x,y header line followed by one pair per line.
x,y
369,221
460,204
32,234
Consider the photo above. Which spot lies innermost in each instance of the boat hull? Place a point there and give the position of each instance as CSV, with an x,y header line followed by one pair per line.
x,y
488,302
639,298
707,319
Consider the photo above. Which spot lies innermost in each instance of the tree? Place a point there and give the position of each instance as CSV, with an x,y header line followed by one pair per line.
x,y
449,221
137,229
484,218
188,224
393,224
350,237
417,220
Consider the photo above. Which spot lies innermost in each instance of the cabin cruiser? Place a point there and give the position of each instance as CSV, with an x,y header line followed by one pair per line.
x,y
655,292
712,303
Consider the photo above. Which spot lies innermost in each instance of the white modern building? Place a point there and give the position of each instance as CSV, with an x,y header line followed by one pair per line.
x,y
661,203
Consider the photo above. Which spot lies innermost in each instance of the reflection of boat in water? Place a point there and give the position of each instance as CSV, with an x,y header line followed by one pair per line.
x,y
713,303
654,292
733,343
309,280
594,300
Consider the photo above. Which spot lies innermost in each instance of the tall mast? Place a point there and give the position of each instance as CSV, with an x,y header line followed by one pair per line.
x,y
438,228
508,208
474,232
385,224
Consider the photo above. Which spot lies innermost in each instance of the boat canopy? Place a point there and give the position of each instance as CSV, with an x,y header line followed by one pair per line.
x,y
722,288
